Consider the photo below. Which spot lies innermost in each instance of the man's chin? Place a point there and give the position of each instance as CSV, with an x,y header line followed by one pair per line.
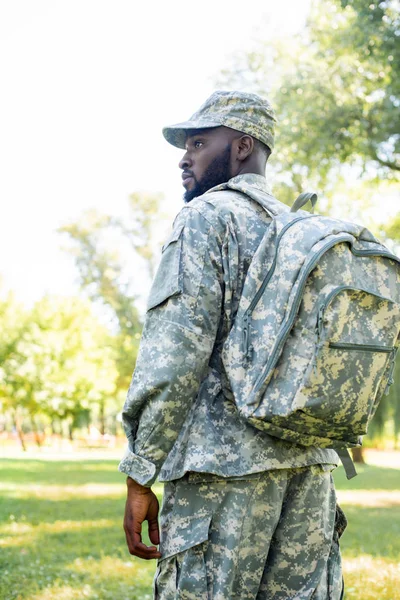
x,y
190,195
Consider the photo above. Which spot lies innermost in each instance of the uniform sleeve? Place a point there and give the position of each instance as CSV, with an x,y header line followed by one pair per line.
x,y
182,319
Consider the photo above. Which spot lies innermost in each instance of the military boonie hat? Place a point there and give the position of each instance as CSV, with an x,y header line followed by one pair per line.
x,y
247,113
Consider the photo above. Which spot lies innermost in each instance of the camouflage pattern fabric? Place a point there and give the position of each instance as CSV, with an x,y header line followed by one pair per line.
x,y
268,536
179,415
244,112
311,353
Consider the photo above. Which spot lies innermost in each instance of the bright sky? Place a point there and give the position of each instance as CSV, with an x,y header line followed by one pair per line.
x,y
86,86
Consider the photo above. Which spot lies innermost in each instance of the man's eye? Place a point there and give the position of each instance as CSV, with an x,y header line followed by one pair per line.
x,y
198,144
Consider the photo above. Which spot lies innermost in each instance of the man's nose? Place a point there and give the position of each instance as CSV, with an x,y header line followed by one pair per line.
x,y
185,161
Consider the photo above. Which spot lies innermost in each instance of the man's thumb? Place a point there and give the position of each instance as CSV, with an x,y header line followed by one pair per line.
x,y
154,532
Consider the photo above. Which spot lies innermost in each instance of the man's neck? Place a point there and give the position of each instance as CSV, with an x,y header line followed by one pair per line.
x,y
255,169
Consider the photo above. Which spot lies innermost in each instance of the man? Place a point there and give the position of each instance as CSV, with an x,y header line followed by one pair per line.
x,y
244,515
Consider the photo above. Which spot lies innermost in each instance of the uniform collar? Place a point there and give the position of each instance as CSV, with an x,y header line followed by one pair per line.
x,y
257,181
255,187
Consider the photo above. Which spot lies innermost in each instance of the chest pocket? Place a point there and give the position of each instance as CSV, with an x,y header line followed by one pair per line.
x,y
168,279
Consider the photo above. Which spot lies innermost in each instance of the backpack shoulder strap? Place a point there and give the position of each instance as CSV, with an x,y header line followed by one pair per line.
x,y
303,199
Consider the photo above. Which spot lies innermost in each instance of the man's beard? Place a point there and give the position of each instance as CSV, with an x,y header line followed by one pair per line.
x,y
218,171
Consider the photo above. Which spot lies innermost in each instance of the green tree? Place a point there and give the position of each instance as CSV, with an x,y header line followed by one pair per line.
x,y
115,258
392,229
337,93
60,364
13,326
386,422
71,359
340,98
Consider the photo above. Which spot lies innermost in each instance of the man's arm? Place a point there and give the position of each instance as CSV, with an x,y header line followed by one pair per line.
x,y
183,315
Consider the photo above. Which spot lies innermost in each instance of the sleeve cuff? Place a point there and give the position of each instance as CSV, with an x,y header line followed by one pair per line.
x,y
139,469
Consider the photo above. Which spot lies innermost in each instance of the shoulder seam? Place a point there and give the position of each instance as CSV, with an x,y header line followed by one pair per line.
x,y
210,220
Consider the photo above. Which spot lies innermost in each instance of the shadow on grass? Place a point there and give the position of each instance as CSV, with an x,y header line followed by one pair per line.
x,y
40,510
373,531
75,547
76,561
46,546
17,471
95,555
65,472
369,478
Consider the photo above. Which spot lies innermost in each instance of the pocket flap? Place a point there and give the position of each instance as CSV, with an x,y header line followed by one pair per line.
x,y
167,281
174,237
183,534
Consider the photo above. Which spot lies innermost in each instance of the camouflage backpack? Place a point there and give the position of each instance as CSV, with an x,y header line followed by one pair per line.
x,y
314,341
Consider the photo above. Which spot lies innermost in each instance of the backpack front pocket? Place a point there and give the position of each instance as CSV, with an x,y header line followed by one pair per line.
x,y
352,364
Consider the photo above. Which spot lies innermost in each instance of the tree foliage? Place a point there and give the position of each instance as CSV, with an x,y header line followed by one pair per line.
x,y
13,326
55,360
337,93
114,257
64,360
386,422
340,99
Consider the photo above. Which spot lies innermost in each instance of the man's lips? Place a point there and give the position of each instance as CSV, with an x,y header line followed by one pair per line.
x,y
186,177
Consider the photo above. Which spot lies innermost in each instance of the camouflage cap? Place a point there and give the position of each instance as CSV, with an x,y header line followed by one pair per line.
x,y
247,113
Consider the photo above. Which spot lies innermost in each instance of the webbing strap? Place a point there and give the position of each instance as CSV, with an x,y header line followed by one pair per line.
x,y
303,199
347,462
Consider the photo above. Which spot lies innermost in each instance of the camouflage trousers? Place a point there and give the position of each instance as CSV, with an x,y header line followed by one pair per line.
x,y
266,536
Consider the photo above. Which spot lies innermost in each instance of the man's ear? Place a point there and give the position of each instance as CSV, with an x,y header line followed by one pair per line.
x,y
244,147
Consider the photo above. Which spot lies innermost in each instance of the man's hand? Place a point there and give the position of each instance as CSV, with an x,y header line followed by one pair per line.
x,y
141,505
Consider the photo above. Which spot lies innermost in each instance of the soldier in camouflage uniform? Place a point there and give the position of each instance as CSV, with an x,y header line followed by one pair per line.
x,y
245,515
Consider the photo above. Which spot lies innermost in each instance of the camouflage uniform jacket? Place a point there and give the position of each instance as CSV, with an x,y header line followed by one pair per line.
x,y
179,415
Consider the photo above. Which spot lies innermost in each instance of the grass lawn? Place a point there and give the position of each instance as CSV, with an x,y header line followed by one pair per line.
x,y
371,543
61,532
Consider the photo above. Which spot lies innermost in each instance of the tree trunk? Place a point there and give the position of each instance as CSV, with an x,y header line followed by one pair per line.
x,y
39,436
357,454
55,427
18,427
102,418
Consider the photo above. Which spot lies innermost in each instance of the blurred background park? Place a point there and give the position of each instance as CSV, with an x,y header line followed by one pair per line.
x,y
89,189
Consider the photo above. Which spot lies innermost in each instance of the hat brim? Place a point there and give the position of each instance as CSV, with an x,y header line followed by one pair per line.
x,y
176,134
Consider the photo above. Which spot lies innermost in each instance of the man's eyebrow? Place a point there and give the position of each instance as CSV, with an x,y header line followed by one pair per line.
x,y
198,133
196,136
